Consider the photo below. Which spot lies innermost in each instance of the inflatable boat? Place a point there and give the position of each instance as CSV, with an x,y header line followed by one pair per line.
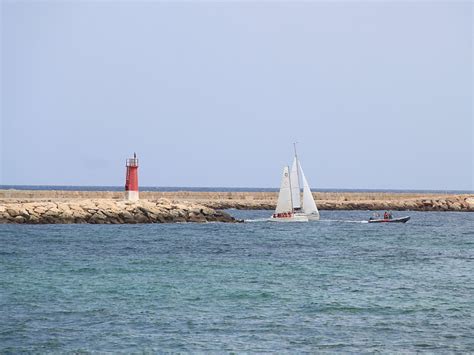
x,y
392,220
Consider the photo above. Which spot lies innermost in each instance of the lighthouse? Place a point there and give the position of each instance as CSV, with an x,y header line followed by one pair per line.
x,y
131,179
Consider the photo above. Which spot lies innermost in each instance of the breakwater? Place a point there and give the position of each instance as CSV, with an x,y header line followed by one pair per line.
x,y
102,211
267,200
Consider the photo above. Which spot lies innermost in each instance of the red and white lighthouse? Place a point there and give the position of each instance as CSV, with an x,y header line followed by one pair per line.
x,y
131,182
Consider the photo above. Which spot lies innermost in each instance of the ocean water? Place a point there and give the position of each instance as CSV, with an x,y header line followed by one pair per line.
x,y
337,285
213,189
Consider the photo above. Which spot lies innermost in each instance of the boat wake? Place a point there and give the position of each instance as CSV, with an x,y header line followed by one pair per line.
x,y
321,220
257,220
342,221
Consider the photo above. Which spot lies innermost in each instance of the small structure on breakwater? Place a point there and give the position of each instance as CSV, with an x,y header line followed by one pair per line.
x,y
131,179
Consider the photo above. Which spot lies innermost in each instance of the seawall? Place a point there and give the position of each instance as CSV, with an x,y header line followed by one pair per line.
x,y
266,200
106,211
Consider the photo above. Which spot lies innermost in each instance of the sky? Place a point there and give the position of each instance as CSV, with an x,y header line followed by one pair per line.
x,y
378,95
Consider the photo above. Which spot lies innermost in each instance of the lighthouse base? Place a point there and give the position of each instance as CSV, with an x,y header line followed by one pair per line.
x,y
131,195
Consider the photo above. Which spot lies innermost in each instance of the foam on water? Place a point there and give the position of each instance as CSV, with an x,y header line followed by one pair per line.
x,y
256,220
341,221
320,221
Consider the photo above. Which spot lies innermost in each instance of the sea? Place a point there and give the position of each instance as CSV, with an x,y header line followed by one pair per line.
x,y
215,189
337,285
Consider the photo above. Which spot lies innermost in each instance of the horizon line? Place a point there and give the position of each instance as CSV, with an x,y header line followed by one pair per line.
x,y
143,188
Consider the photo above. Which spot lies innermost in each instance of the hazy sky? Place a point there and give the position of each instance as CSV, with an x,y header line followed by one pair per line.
x,y
379,94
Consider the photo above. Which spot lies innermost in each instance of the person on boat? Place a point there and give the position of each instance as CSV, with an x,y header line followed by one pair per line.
x,y
385,215
390,215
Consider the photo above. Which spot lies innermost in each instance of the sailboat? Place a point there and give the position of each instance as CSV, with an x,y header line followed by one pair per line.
x,y
285,211
308,206
290,208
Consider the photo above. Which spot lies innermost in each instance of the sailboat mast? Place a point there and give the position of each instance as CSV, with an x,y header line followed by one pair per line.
x,y
291,195
297,164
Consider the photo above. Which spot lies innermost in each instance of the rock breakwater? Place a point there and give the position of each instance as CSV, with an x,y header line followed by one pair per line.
x,y
108,212
263,199
432,203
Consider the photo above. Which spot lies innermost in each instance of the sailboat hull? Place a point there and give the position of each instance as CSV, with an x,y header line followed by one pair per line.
x,y
309,216
313,217
294,218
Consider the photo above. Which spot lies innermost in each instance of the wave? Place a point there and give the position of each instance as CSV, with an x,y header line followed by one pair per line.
x,y
256,220
342,221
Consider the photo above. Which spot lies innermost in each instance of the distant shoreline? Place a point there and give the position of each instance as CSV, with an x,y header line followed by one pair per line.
x,y
218,189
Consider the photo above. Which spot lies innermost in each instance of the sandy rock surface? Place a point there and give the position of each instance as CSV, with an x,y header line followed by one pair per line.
x,y
103,211
182,200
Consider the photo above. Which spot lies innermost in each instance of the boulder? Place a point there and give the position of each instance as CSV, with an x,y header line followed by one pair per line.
x,y
196,218
13,212
470,202
456,206
19,219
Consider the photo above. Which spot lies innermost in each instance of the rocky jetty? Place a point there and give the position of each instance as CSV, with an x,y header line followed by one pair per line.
x,y
453,203
262,199
103,211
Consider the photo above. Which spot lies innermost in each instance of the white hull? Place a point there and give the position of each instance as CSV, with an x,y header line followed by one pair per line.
x,y
309,216
294,218
313,217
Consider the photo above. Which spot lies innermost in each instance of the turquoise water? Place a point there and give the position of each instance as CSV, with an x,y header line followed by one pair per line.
x,y
324,286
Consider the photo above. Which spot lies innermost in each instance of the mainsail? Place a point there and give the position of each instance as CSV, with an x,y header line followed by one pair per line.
x,y
284,203
309,206
295,184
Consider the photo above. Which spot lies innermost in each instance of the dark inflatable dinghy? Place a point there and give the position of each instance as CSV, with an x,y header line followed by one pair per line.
x,y
393,220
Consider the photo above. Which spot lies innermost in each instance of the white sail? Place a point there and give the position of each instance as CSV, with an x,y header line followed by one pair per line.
x,y
309,205
295,184
284,197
